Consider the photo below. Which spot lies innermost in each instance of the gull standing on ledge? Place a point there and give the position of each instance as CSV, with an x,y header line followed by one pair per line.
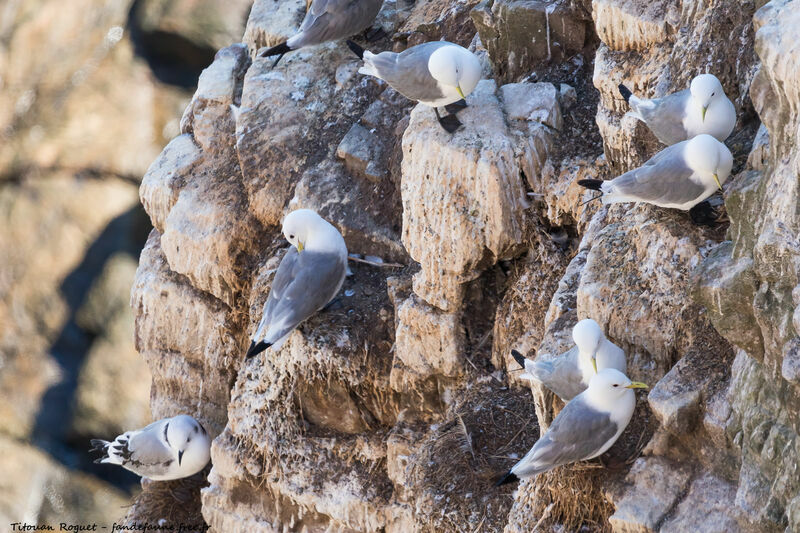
x,y
587,426
309,276
171,448
436,74
679,176
702,108
329,20
569,374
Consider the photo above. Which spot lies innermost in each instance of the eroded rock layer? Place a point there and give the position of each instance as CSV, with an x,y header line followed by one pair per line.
x,y
396,408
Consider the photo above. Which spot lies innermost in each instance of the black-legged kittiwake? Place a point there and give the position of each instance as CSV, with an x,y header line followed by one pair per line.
x,y
702,108
436,74
587,426
679,176
171,448
569,374
309,276
329,20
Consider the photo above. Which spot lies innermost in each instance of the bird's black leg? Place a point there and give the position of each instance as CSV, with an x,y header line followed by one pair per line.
x,y
450,123
455,107
375,33
703,214
277,60
332,304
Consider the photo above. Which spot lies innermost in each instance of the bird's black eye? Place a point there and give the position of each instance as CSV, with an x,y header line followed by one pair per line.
x,y
712,94
291,236
616,384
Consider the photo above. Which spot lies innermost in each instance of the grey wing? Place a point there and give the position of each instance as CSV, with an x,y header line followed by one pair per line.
x,y
577,433
146,453
664,179
329,20
665,119
303,284
562,375
407,72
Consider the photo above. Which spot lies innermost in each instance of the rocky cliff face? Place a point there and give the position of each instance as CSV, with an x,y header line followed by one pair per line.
x,y
83,112
395,409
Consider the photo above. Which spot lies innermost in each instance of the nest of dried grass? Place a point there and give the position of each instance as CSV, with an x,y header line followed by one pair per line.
x,y
170,504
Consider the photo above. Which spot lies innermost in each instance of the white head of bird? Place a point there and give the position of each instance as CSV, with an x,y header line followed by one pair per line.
x,y
608,387
455,68
710,159
189,440
298,226
706,88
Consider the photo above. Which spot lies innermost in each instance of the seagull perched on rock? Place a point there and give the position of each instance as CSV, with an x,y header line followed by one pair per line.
x,y
172,448
436,74
308,278
569,374
679,176
587,426
329,20
702,108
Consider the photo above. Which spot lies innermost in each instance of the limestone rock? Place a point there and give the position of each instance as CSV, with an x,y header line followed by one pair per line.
x,y
519,34
166,177
657,486
468,211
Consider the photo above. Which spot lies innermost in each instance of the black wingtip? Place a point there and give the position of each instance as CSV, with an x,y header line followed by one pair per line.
x,y
518,357
99,460
357,50
277,50
257,348
98,445
505,480
625,92
591,184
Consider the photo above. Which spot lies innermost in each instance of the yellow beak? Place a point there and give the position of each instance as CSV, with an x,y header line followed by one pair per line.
x,y
704,113
300,246
716,178
636,385
594,363
460,92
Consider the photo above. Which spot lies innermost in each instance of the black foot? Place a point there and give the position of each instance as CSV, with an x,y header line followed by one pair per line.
x,y
455,107
275,64
518,357
508,478
332,304
257,348
374,33
703,214
450,123
357,50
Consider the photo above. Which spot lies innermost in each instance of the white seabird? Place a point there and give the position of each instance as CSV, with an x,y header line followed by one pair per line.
x,y
702,108
329,20
171,448
309,277
679,176
569,374
587,426
436,74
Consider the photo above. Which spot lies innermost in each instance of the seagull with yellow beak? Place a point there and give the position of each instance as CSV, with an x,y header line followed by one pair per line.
x,y
679,176
437,74
585,428
702,108
568,374
309,277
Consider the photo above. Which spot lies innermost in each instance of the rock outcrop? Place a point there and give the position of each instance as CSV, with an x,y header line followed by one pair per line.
x,y
396,408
